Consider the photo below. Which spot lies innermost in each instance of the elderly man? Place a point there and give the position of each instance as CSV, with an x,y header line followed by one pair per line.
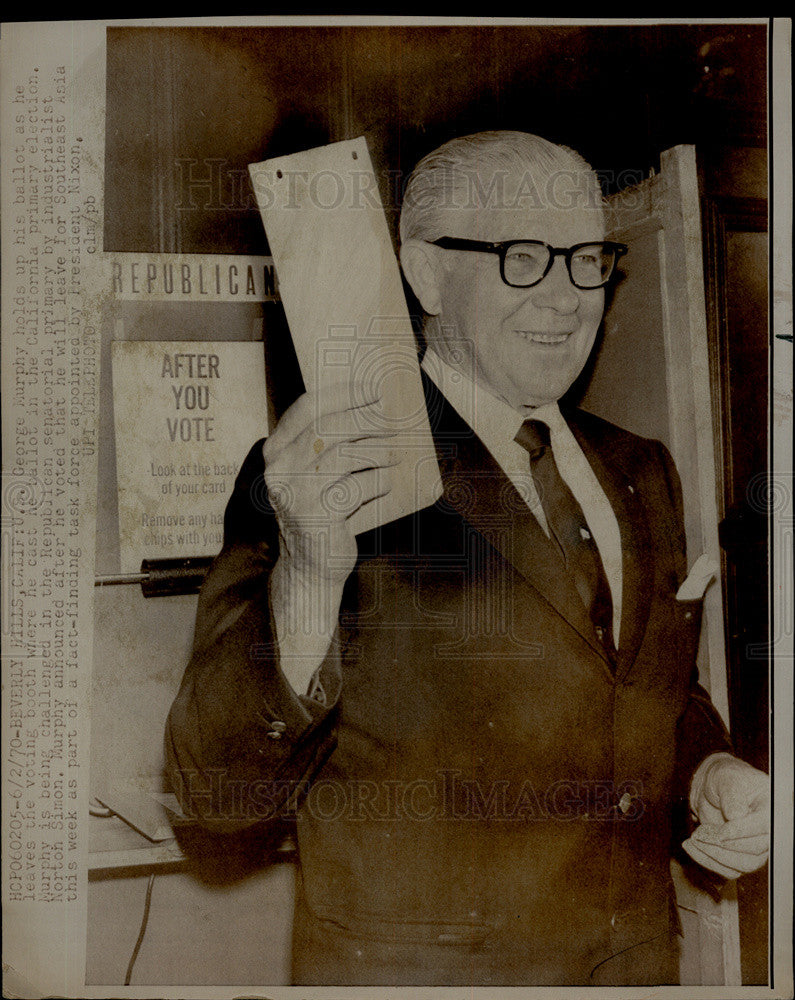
x,y
487,713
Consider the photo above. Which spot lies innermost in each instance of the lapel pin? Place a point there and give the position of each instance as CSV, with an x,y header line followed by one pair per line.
x,y
631,488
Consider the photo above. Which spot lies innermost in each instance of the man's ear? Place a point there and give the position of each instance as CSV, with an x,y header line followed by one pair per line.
x,y
421,267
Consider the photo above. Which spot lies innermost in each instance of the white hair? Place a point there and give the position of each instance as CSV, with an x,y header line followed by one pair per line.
x,y
470,172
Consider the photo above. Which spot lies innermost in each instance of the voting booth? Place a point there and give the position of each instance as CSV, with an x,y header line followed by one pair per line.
x,y
189,386
183,399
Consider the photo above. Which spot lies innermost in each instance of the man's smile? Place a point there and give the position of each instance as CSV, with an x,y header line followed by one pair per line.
x,y
536,337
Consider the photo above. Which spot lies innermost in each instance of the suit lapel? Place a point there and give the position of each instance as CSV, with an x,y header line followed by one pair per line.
x,y
479,491
636,551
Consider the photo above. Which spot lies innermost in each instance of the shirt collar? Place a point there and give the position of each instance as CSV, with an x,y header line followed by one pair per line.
x,y
492,419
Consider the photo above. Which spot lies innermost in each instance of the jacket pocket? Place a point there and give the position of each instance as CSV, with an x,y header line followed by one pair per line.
x,y
400,929
688,615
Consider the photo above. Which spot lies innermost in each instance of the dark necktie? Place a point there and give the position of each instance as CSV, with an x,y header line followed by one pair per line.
x,y
569,529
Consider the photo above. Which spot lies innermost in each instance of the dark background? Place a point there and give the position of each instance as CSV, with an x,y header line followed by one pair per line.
x,y
189,108
239,95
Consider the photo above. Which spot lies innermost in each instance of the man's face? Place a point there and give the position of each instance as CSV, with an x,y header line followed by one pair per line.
x,y
526,345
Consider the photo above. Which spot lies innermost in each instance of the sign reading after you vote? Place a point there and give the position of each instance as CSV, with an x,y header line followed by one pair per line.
x,y
186,415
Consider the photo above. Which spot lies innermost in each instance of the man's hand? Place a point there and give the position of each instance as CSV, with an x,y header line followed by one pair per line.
x,y
319,471
320,468
732,801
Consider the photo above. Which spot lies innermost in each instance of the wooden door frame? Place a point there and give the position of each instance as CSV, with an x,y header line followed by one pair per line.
x,y
721,216
667,205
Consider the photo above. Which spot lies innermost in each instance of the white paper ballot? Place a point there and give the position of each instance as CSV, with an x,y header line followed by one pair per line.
x,y
340,286
698,579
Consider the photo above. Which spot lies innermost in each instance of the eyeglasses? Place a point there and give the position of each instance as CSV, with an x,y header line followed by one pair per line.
x,y
524,263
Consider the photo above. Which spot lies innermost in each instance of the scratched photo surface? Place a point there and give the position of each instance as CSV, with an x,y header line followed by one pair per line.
x,y
431,626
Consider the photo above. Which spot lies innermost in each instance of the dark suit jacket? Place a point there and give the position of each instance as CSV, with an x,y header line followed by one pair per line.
x,y
492,798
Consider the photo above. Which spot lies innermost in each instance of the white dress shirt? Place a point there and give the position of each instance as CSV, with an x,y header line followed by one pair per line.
x,y
496,424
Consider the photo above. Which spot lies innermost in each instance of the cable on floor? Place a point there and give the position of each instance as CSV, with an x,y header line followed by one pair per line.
x,y
142,931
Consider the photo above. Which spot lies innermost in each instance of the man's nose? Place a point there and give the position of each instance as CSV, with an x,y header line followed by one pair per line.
x,y
556,291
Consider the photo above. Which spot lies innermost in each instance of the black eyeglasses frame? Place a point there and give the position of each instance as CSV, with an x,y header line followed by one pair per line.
x,y
502,248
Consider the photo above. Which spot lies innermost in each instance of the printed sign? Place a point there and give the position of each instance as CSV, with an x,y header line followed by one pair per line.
x,y
186,415
190,277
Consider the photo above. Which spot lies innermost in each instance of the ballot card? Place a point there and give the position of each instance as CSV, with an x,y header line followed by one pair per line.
x,y
340,286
